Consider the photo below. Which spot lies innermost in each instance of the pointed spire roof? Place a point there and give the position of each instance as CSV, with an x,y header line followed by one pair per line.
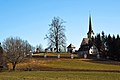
x,y
71,46
90,24
90,32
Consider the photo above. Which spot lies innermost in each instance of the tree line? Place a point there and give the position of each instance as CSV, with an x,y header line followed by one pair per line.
x,y
108,46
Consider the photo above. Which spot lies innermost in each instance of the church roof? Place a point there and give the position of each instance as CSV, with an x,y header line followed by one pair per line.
x,y
84,47
85,41
71,46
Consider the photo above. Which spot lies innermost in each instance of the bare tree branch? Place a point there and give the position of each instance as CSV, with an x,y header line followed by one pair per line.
x,y
56,35
15,49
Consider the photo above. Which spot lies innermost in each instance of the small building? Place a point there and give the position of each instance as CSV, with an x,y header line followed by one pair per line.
x,y
71,48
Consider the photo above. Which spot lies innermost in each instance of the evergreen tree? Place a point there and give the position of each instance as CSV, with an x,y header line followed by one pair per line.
x,y
103,45
109,45
113,48
118,47
98,42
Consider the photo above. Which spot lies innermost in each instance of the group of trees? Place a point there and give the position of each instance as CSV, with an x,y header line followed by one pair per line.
x,y
108,46
113,45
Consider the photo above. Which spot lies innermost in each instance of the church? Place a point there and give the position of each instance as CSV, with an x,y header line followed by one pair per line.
x,y
87,48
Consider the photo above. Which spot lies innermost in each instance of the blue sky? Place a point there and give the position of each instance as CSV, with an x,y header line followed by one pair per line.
x,y
29,19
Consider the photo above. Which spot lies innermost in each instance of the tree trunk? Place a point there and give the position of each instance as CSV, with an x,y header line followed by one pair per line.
x,y
14,66
56,42
57,47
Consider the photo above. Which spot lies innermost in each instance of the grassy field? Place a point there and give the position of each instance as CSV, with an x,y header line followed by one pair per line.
x,y
72,64
63,69
59,75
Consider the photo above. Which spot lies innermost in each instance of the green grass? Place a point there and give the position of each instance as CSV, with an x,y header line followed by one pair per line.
x,y
51,75
79,64
84,64
68,64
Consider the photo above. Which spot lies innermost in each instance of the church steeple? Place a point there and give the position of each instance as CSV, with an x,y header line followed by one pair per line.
x,y
90,24
90,33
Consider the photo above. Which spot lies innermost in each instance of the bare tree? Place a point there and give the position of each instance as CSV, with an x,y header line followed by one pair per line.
x,y
1,55
56,35
15,49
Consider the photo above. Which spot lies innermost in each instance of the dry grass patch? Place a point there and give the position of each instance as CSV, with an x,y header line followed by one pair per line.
x,y
64,64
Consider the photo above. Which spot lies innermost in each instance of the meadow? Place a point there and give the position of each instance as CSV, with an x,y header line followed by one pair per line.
x,y
39,68
38,62
58,75
68,64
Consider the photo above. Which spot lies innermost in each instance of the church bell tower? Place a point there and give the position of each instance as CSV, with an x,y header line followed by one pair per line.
x,y
90,33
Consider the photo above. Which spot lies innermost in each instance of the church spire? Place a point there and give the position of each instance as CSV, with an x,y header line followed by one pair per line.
x,y
90,32
90,24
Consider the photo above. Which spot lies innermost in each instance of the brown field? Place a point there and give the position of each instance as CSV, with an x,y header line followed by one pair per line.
x,y
52,68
